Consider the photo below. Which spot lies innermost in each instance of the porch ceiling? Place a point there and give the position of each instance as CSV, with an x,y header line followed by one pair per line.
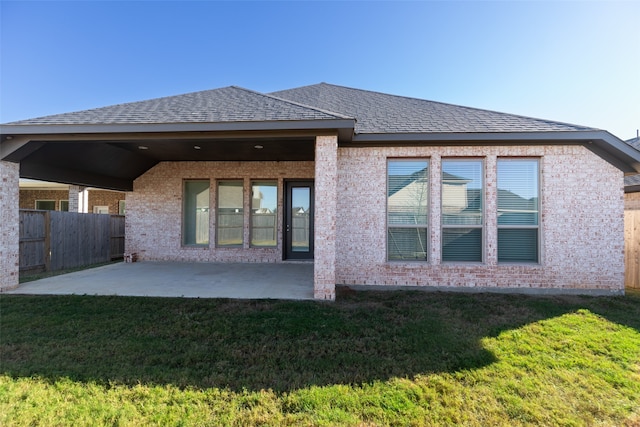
x,y
114,163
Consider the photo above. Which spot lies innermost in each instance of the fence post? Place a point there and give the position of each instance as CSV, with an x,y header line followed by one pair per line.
x,y
47,241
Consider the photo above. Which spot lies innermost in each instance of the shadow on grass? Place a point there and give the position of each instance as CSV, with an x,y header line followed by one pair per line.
x,y
262,344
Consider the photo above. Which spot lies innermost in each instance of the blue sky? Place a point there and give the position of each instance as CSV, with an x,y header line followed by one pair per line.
x,y
571,61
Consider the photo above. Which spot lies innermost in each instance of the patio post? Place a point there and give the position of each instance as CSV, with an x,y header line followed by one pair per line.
x,y
326,199
9,225
74,198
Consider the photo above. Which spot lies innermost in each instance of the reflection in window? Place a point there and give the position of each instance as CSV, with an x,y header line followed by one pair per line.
x,y
462,210
195,211
407,209
300,219
230,218
264,214
518,210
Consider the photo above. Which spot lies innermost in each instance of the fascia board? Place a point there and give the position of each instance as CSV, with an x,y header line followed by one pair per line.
x,y
623,155
55,129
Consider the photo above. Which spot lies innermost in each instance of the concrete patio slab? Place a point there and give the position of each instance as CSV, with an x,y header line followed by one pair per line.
x,y
190,280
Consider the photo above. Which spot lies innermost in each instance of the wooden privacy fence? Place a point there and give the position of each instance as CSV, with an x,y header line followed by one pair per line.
x,y
632,248
53,240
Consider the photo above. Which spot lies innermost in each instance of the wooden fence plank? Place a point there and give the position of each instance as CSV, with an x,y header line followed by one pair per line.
x,y
632,248
53,240
32,241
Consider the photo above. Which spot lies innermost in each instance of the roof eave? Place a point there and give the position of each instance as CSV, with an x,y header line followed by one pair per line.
x,y
238,126
607,146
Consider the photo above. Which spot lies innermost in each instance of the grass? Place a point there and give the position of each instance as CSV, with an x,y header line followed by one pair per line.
x,y
370,358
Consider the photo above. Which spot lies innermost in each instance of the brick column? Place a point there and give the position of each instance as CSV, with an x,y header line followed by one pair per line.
x,y
74,196
9,225
326,199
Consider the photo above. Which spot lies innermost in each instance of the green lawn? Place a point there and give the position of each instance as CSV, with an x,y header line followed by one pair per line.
x,y
370,358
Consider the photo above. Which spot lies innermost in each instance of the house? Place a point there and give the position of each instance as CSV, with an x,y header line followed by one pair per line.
x,y
54,196
376,189
632,182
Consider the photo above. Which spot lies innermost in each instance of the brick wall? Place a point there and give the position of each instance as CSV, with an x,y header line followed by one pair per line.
x,y
105,198
326,196
581,222
9,225
28,197
632,201
154,209
581,219
96,198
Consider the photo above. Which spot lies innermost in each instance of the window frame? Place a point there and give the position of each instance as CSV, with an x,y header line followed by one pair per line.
x,y
55,204
217,226
275,183
183,237
482,226
425,227
537,227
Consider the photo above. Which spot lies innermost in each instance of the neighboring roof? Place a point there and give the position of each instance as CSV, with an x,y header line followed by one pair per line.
x,y
33,184
632,183
634,142
383,113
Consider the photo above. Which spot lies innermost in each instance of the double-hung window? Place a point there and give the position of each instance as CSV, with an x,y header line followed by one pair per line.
x,y
518,210
407,209
264,214
462,210
195,212
230,218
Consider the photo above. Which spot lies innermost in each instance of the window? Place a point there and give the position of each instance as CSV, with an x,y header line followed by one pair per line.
x,y
64,205
230,223
46,205
121,207
264,215
195,211
518,210
101,209
407,209
462,210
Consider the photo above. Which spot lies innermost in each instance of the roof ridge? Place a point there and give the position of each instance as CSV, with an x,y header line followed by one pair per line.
x,y
449,105
298,104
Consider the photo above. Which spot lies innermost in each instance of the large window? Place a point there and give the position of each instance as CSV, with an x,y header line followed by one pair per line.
x,y
230,223
518,210
407,209
264,214
195,211
462,210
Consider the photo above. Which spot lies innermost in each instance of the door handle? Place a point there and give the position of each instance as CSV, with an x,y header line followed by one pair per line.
x,y
288,228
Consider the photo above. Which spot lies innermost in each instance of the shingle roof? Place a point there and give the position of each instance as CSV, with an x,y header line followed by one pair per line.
x,y
374,112
634,142
383,113
229,104
633,180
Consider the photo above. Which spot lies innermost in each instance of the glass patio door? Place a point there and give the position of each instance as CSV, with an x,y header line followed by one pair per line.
x,y
298,221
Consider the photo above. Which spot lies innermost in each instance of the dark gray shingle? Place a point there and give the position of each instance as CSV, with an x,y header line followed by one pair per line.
x,y
229,104
375,113
383,113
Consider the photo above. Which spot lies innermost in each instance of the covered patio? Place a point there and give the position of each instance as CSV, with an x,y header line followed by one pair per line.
x,y
292,280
